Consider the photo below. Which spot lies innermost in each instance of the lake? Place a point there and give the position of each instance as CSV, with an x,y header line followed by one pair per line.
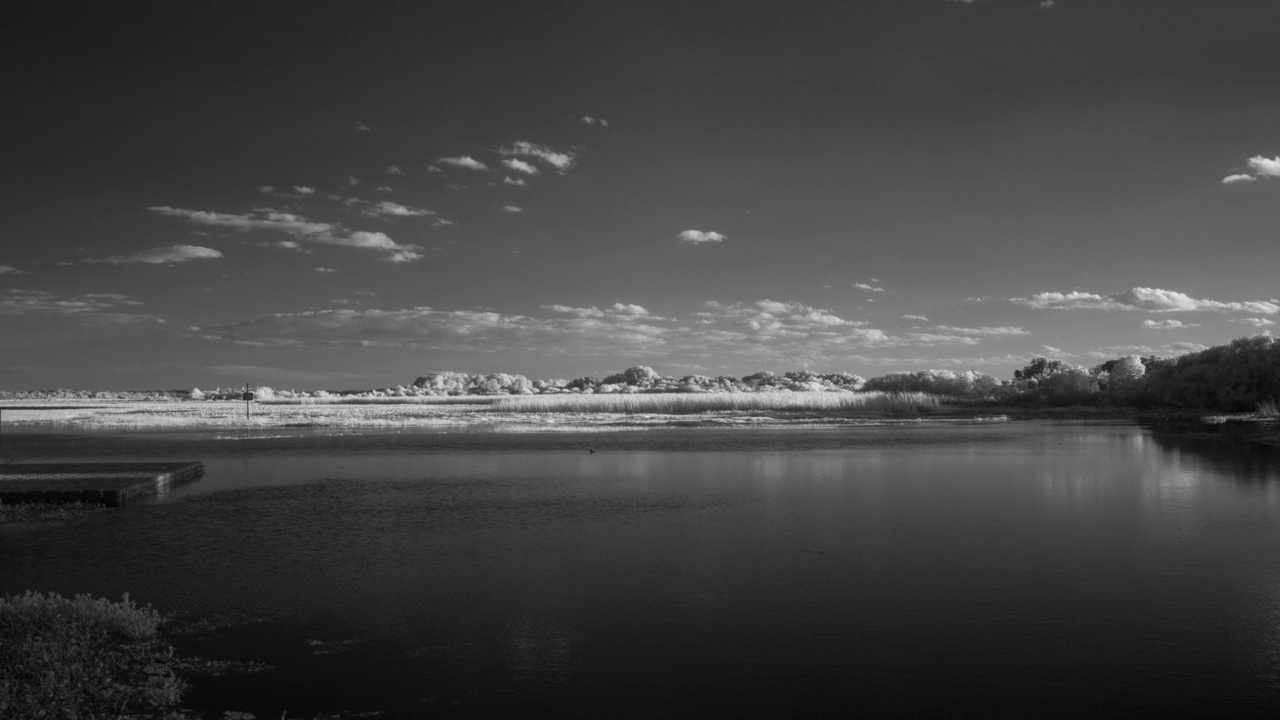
x,y
1052,566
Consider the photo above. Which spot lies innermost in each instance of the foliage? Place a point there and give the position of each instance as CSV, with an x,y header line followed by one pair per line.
x,y
681,403
969,383
1235,377
78,658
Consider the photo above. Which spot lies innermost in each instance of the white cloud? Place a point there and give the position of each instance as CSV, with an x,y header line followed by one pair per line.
x,y
387,208
697,236
589,120
1166,324
559,160
518,182
299,228
1054,350
89,308
1265,167
352,181
511,209
921,318
324,270
868,288
1046,4
1139,298
464,161
266,189
992,331
520,166
617,310
394,170
1254,321
361,127
384,189
304,190
1261,166
161,256
10,270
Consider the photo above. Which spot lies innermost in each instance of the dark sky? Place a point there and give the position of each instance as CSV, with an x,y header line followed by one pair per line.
x,y
351,195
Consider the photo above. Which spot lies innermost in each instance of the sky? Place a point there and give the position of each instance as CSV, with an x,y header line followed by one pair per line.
x,y
350,195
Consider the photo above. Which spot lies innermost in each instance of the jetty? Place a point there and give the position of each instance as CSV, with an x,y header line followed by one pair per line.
x,y
105,483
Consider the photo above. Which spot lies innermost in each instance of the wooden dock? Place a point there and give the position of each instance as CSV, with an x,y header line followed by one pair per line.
x,y
104,483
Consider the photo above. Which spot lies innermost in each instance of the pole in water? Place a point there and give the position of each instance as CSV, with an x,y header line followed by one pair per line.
x,y
247,396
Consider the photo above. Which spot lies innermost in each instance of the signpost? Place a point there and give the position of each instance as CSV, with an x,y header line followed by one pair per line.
x,y
248,395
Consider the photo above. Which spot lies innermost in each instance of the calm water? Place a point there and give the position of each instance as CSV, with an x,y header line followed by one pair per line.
x,y
1060,567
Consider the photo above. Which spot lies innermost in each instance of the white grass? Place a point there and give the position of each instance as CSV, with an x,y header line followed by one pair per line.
x,y
685,403
407,400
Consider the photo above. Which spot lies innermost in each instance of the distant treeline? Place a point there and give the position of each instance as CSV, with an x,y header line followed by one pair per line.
x,y
1243,375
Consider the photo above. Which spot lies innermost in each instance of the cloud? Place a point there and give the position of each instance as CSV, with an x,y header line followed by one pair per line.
x,y
352,181
1139,298
697,236
304,190
299,228
1046,4
384,189
1265,167
921,318
387,208
161,256
520,166
266,189
1261,167
561,161
1254,321
88,308
324,270
617,310
588,120
868,288
1166,324
512,209
1054,350
361,127
394,170
518,182
465,161
10,270
991,331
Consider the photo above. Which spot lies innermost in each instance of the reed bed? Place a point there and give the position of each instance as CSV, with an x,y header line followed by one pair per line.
x,y
908,403
406,400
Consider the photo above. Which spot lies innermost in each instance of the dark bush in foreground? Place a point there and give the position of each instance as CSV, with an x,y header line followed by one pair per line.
x,y
82,658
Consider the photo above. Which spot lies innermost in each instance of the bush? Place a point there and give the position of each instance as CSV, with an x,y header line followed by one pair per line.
x,y
67,659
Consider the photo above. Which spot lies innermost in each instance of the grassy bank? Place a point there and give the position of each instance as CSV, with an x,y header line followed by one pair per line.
x,y
42,512
83,658
834,403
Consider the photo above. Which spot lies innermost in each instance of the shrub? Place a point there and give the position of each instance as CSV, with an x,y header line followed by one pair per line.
x,y
73,658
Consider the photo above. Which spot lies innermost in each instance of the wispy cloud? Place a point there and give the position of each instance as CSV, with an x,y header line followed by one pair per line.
x,y
520,166
161,256
990,331
512,209
1260,166
394,170
560,160
10,270
698,236
1139,298
921,318
464,161
304,190
518,182
298,228
617,310
384,189
1166,324
325,270
362,127
589,120
266,189
387,208
1254,321
868,288
88,308
1046,4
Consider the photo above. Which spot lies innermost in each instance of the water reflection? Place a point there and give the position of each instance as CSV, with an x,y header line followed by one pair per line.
x,y
1044,565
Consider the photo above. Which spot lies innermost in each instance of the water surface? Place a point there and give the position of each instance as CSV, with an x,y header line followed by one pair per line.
x,y
1051,566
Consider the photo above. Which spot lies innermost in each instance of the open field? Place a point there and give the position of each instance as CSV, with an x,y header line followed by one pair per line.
x,y
539,412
